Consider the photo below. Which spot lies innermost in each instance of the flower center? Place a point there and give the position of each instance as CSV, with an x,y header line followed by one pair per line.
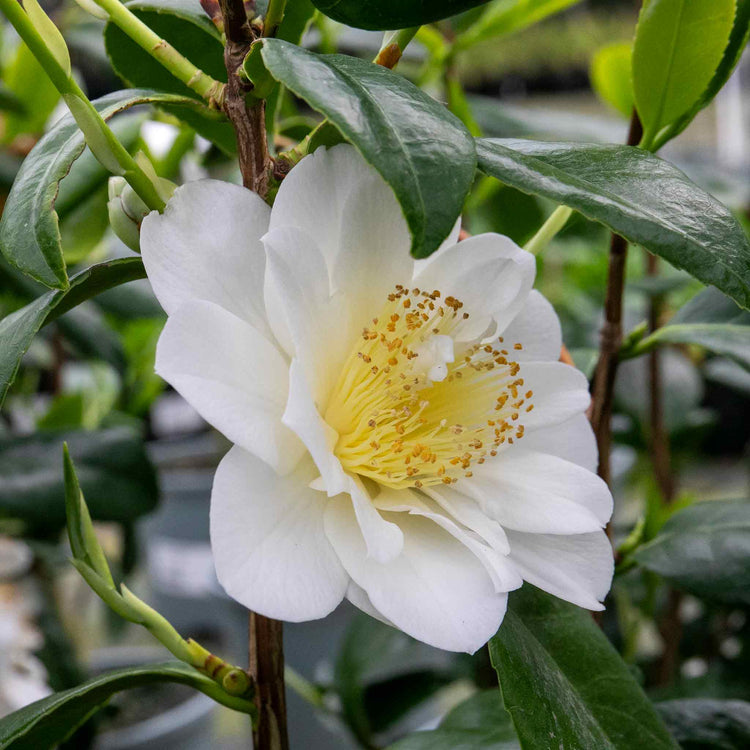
x,y
412,412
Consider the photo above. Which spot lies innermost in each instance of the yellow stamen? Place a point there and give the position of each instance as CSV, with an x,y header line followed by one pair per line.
x,y
401,429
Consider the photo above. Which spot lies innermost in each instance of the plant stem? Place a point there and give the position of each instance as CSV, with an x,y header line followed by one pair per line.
x,y
246,114
267,668
555,222
101,140
274,17
611,338
179,66
394,44
670,624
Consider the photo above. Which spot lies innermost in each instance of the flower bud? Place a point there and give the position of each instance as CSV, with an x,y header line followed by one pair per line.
x,y
126,210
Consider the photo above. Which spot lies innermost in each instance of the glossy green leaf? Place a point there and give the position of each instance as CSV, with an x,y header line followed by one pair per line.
x,y
29,229
707,724
508,16
392,14
678,47
185,25
422,151
479,723
44,724
639,196
704,549
611,76
564,684
19,328
737,42
115,474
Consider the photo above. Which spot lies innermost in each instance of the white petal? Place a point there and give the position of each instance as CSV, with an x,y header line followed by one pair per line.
x,y
537,329
374,250
358,597
233,376
270,549
503,573
489,273
539,493
466,511
560,393
572,440
447,243
304,317
435,590
312,196
576,568
384,539
206,246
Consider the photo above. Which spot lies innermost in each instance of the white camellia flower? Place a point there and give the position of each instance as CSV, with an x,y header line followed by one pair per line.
x,y
404,434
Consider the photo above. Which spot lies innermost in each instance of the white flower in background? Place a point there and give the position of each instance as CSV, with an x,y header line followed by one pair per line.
x,y
404,434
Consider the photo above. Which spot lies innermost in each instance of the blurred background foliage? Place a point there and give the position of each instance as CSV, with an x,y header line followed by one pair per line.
x,y
145,459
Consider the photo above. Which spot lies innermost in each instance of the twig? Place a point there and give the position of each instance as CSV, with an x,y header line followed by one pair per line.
x,y
267,667
265,643
247,115
611,338
670,625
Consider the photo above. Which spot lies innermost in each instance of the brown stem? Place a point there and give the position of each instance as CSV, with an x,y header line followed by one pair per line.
x,y
670,625
246,114
658,435
267,667
611,337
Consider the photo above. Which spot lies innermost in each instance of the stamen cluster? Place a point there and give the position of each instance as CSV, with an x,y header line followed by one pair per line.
x,y
401,429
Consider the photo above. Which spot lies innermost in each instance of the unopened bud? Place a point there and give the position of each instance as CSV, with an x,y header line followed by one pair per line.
x,y
126,210
236,682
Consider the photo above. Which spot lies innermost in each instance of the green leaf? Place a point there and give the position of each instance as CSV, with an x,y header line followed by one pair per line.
x,y
44,724
382,673
19,328
185,25
29,229
422,151
711,306
710,320
707,724
731,341
564,684
678,47
297,17
704,549
737,42
639,196
611,76
392,14
115,474
479,723
508,16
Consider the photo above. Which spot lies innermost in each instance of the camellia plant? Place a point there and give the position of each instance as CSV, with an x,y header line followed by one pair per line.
x,y
409,431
